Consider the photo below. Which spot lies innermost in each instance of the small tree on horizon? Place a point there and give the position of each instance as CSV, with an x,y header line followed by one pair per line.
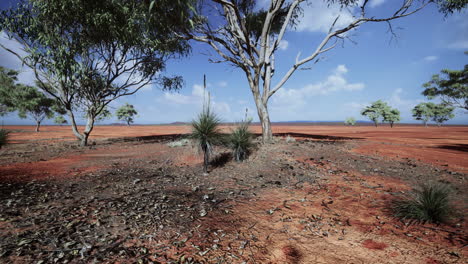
x,y
60,120
126,113
375,111
350,121
442,113
423,112
391,116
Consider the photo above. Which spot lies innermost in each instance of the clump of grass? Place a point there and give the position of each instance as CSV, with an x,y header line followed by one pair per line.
x,y
206,132
4,135
429,203
178,143
290,139
240,141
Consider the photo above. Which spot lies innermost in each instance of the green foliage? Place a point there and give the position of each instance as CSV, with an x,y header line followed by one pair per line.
x,y
4,134
206,132
103,115
126,113
60,120
375,111
350,121
429,203
424,112
442,113
8,80
452,87
450,6
391,116
29,102
80,48
240,141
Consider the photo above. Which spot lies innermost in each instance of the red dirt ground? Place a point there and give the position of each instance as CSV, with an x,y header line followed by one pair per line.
x,y
340,220
443,146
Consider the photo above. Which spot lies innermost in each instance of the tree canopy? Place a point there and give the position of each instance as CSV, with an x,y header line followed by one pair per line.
x,y
126,113
439,113
87,53
375,111
451,87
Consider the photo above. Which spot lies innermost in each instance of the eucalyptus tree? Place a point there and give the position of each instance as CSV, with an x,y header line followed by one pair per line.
x,y
375,111
248,38
126,113
423,112
8,79
391,115
88,53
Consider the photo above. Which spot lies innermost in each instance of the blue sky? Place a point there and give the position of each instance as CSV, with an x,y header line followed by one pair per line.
x,y
345,80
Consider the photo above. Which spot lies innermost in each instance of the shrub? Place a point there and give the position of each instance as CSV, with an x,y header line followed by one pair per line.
x,y
350,121
4,134
206,132
178,143
240,141
429,203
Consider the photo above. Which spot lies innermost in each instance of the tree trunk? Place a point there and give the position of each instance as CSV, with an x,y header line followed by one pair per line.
x,y
262,109
391,124
89,127
206,159
375,123
425,123
128,122
38,125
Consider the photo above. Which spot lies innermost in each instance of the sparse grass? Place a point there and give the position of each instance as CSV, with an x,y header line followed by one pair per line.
x,y
4,134
178,143
206,132
240,141
429,203
290,139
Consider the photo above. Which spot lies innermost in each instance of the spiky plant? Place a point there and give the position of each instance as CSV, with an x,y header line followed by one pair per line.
x,y
206,132
4,134
240,141
429,203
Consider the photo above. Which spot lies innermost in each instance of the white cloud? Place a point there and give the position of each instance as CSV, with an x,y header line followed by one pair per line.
x,y
283,45
333,83
376,3
460,44
318,17
223,84
431,58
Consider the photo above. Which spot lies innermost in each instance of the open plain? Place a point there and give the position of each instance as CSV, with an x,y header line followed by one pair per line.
x,y
321,198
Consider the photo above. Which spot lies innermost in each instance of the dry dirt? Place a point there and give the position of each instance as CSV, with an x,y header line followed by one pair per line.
x,y
322,199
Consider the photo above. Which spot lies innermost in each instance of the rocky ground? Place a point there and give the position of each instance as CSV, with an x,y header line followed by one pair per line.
x,y
139,200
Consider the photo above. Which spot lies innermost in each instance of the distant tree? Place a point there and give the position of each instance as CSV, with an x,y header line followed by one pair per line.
x,y
89,53
350,121
60,120
126,113
452,88
442,113
30,102
391,116
424,112
375,111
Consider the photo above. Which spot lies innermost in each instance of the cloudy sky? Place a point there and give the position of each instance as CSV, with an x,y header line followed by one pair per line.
x,y
373,66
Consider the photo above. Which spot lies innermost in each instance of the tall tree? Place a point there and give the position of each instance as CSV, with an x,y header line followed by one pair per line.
x,y
375,111
248,38
8,80
126,113
452,88
424,112
391,116
89,53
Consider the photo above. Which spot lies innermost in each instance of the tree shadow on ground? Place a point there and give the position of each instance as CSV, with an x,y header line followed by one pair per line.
x,y
457,147
315,136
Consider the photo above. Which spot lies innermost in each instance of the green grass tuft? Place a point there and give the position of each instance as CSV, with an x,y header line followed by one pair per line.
x,y
429,203
240,141
206,132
